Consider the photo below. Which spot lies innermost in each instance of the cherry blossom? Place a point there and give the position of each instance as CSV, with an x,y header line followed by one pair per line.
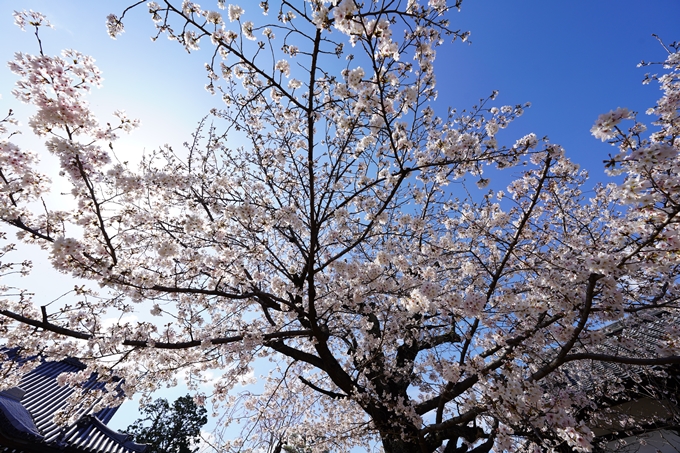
x,y
235,12
326,219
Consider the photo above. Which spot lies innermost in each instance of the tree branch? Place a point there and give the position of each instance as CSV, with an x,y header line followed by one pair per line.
x,y
333,395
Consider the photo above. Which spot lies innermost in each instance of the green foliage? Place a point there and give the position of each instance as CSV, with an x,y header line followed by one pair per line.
x,y
170,429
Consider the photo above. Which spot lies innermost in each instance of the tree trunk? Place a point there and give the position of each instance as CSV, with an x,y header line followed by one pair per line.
x,y
395,444
401,439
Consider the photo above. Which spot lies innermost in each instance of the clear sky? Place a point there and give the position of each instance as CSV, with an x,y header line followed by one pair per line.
x,y
573,60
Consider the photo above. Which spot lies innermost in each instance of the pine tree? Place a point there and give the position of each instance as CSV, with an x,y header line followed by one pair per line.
x,y
170,429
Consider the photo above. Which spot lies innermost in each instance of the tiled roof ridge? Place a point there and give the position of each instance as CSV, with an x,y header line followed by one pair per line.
x,y
634,322
123,439
638,336
17,421
74,362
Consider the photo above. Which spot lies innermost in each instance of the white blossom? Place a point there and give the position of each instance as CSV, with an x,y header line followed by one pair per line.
x,y
235,12
345,228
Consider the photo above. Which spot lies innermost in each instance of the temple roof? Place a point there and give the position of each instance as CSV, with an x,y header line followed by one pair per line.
x,y
27,416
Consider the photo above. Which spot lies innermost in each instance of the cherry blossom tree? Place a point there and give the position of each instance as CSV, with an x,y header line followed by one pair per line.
x,y
323,219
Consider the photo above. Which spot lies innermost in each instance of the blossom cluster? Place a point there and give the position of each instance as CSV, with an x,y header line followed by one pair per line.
x,y
326,231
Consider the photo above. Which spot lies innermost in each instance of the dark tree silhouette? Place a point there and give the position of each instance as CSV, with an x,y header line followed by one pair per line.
x,y
170,429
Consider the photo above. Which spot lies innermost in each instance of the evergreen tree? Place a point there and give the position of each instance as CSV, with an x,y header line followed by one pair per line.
x,y
170,429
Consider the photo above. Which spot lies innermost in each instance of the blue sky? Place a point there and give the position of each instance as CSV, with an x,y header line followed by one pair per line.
x,y
572,60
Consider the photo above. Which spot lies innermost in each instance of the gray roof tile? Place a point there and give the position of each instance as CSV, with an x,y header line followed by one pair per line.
x,y
28,417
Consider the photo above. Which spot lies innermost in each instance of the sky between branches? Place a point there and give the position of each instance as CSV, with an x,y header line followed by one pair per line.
x,y
572,60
